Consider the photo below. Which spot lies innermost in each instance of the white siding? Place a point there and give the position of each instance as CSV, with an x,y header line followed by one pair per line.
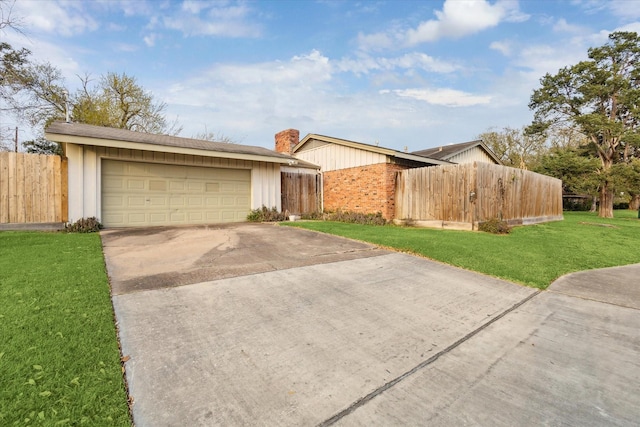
x,y
475,154
75,175
85,187
293,169
333,157
265,186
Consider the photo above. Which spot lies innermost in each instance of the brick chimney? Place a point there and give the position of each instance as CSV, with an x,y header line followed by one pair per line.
x,y
286,140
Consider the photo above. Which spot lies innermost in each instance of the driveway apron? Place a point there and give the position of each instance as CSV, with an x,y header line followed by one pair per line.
x,y
265,325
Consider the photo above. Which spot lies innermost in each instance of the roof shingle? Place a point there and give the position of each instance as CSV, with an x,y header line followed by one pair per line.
x,y
100,132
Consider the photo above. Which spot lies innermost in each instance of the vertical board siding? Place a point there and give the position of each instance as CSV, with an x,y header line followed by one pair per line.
x,y
332,157
33,188
300,192
476,192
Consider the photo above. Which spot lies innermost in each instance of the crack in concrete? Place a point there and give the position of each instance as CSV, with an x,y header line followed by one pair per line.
x,y
364,400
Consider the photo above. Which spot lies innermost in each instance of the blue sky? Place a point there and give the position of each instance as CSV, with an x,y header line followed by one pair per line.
x,y
413,74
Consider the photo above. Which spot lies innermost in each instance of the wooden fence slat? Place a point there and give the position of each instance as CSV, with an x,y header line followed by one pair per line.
x,y
4,188
33,188
443,193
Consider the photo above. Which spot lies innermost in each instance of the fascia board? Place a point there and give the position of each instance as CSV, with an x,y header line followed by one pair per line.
x,y
110,143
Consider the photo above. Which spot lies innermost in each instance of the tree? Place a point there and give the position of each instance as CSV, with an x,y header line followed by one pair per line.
x,y
214,137
120,102
575,167
601,97
42,146
513,147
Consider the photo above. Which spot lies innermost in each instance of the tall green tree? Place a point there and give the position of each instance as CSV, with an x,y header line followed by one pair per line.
x,y
601,97
575,167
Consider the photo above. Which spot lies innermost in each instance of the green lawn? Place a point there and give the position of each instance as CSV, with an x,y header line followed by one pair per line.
x,y
59,357
534,255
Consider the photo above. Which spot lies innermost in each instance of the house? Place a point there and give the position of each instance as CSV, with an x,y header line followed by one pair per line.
x,y
454,186
466,152
127,178
356,177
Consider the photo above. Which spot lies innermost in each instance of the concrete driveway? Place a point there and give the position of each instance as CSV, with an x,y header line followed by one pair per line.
x,y
265,325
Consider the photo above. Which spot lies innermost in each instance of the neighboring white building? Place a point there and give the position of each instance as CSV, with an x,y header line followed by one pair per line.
x,y
465,152
127,178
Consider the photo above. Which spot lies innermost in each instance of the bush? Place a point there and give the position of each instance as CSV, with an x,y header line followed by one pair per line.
x,y
264,214
494,226
84,225
356,217
312,215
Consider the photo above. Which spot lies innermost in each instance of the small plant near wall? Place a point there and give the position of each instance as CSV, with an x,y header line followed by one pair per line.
x,y
84,225
264,214
356,217
495,226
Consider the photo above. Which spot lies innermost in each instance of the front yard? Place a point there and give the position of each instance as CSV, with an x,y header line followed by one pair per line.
x,y
534,255
59,357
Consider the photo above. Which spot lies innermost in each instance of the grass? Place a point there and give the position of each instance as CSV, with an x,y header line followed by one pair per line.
x,y
59,356
534,255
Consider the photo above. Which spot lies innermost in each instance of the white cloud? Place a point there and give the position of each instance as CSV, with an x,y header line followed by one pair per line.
x,y
503,47
562,26
443,96
150,39
458,18
634,27
624,9
64,18
364,64
125,47
213,19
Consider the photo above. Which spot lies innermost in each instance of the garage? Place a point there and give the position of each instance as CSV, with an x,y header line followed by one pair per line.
x,y
135,179
144,194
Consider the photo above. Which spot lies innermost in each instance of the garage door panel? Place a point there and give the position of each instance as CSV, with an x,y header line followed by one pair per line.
x,y
139,194
112,182
158,201
197,187
135,184
176,185
176,202
135,201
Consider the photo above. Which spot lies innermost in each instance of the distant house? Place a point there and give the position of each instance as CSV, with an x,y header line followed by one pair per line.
x,y
466,152
127,178
356,177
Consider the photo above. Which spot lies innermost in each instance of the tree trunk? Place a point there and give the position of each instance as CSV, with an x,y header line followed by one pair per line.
x,y
634,204
594,205
606,201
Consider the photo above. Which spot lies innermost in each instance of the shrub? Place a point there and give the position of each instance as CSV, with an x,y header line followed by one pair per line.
x,y
312,215
84,225
356,217
495,226
264,214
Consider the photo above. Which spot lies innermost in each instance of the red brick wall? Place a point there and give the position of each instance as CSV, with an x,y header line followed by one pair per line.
x,y
365,189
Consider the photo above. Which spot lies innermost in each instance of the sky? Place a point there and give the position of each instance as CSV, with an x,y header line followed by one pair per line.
x,y
407,75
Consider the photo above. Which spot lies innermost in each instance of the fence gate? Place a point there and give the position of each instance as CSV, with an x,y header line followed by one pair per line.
x,y
301,192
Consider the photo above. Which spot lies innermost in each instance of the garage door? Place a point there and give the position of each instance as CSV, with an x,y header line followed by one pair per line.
x,y
141,194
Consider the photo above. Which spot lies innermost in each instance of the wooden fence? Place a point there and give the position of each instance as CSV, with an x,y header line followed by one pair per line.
x,y
33,188
461,196
301,192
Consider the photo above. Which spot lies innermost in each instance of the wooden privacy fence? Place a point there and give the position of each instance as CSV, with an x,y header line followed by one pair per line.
x,y
461,196
301,192
33,188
